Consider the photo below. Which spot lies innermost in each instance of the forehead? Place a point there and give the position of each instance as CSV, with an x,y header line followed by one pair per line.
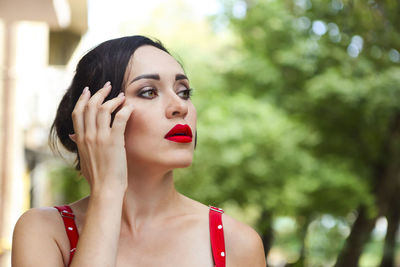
x,y
149,59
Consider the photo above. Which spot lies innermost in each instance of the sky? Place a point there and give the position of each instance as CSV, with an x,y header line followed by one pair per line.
x,y
105,16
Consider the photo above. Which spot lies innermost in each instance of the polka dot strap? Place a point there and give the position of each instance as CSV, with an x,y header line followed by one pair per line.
x,y
217,236
70,227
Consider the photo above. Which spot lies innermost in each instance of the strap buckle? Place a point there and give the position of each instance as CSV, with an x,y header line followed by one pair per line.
x,y
66,214
216,209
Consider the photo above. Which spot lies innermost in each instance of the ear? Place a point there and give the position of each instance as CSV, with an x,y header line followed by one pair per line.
x,y
72,137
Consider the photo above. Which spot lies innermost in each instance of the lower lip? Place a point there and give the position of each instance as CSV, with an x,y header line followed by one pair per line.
x,y
180,139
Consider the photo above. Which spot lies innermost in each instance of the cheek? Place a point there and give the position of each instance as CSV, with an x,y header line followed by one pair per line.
x,y
192,113
142,133
137,139
193,119
140,116
139,124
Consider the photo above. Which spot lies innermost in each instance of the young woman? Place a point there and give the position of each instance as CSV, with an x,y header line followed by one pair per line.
x,y
129,118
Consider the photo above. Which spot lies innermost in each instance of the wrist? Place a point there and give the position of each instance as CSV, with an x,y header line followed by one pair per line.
x,y
108,192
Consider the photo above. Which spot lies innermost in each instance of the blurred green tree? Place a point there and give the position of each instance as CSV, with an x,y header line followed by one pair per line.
x,y
333,68
66,183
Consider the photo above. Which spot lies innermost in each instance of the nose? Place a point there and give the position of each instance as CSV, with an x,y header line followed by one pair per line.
x,y
176,107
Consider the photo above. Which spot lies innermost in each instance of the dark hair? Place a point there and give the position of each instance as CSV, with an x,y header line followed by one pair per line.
x,y
106,62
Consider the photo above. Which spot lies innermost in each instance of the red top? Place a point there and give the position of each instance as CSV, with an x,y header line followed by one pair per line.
x,y
216,232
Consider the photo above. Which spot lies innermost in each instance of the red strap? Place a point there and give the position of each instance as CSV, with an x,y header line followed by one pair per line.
x,y
216,232
217,236
70,227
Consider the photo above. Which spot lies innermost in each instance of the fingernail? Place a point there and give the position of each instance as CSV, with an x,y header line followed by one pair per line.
x,y
71,136
85,90
107,84
121,94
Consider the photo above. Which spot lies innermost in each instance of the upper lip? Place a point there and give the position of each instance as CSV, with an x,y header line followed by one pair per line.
x,y
180,128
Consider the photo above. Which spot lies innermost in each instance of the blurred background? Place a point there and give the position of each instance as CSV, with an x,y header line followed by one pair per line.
x,y
298,114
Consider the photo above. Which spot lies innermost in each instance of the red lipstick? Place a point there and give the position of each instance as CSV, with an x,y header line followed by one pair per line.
x,y
181,133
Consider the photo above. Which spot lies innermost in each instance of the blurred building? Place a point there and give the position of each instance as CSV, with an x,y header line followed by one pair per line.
x,y
37,40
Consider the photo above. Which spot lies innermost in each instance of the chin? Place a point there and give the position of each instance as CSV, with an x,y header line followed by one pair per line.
x,y
184,164
168,159
180,162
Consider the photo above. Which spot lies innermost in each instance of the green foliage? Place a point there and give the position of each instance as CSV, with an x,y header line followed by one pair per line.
x,y
326,74
295,121
325,239
66,184
344,101
242,147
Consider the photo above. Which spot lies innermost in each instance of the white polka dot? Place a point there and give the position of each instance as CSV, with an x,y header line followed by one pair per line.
x,y
219,226
223,254
70,228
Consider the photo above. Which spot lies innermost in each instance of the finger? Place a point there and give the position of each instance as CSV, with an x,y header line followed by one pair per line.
x,y
105,110
92,110
120,120
78,113
98,98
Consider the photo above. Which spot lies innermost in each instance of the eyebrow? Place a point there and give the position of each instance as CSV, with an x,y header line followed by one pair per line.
x,y
157,77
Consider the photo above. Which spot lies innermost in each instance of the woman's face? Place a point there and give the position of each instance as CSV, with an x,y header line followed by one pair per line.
x,y
157,86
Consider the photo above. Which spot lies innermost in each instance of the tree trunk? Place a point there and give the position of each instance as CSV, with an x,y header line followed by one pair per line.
x,y
267,231
359,235
384,184
393,218
303,235
390,195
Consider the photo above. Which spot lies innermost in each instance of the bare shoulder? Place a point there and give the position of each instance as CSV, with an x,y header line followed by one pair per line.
x,y
38,214
34,239
244,246
37,220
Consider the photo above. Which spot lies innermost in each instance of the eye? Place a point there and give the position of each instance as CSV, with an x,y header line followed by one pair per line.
x,y
186,94
150,93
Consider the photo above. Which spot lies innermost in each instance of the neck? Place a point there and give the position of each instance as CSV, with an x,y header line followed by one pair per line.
x,y
150,196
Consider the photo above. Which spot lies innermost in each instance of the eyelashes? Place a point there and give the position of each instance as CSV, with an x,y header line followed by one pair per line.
x,y
187,93
142,93
145,93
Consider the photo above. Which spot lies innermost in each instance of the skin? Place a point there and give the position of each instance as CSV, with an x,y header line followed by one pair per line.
x,y
134,216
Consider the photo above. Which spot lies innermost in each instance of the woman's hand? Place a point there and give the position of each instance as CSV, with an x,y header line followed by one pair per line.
x,y
101,147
